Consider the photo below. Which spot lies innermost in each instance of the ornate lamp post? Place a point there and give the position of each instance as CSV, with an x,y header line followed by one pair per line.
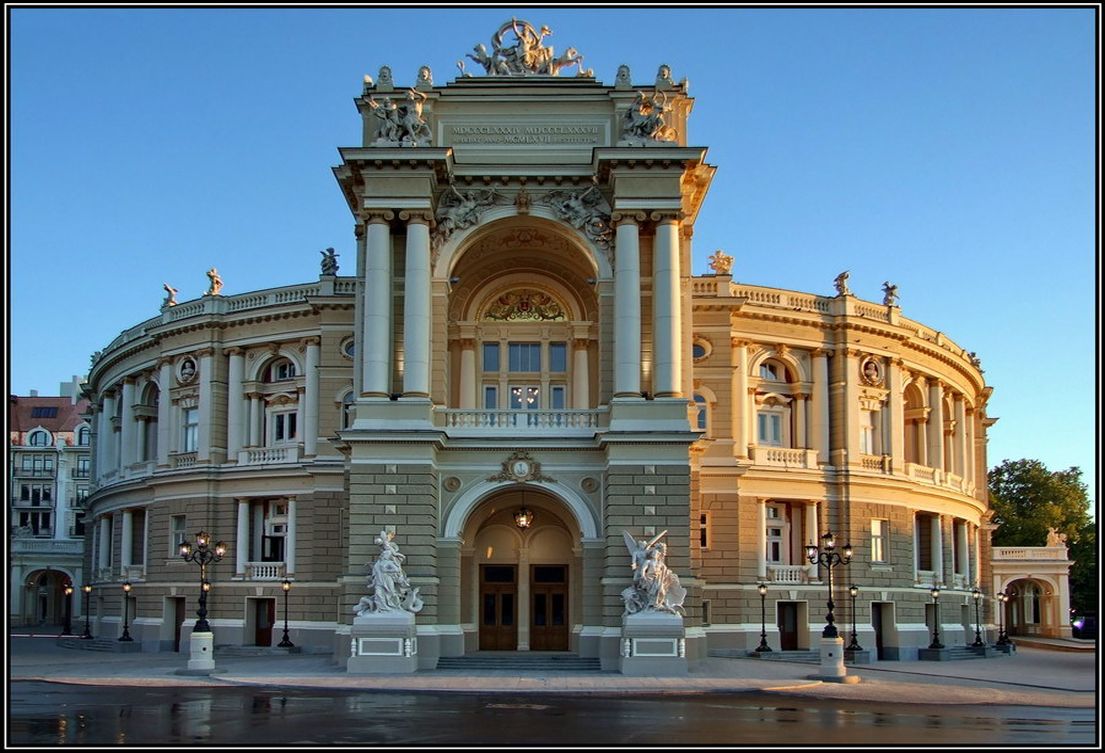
x,y
827,557
1003,598
286,642
68,589
935,618
87,631
126,606
202,555
763,620
853,591
976,594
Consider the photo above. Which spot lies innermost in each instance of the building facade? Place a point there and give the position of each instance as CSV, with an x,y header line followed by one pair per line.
x,y
49,479
522,331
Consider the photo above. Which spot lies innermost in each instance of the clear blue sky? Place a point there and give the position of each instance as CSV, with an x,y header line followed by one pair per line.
x,y
950,151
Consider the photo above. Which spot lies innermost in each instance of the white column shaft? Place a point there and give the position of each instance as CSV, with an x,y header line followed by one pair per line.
x,y
255,421
938,547
761,539
375,346
935,429
800,421
468,375
235,406
667,362
128,426
164,414
241,547
126,548
416,311
740,404
581,378
104,549
290,538
109,456
960,436
205,426
311,400
627,311
820,400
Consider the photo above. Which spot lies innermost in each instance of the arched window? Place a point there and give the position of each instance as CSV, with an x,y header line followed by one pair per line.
x,y
703,411
774,404
40,439
280,370
84,436
347,410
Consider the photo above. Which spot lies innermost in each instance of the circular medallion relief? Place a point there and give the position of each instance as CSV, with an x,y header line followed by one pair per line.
x,y
186,371
347,348
871,372
589,484
452,484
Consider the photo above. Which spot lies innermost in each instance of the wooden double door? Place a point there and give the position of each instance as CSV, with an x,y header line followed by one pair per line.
x,y
548,607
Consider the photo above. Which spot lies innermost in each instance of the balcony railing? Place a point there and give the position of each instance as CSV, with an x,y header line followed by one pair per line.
x,y
269,455
788,573
264,570
519,421
182,459
20,545
1029,553
785,457
133,572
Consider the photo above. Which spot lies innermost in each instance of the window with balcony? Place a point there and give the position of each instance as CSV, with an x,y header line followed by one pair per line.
x,y
769,425
190,421
774,403
37,522
280,370
880,533
268,530
37,494
524,357
283,428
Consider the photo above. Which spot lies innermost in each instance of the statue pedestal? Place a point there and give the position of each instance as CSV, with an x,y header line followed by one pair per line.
x,y
653,643
201,652
832,662
383,643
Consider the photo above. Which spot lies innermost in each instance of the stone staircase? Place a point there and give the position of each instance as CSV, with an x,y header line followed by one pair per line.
x,y
806,657
101,644
956,653
519,663
247,651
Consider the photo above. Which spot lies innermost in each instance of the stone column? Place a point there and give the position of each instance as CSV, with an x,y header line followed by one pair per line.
x,y
812,534
800,421
359,308
937,548
935,429
969,471
108,439
963,566
126,548
241,539
164,411
820,402
234,404
416,306
761,539
254,419
103,550
850,413
467,373
960,437
667,361
627,308
311,399
290,539
205,424
895,434
127,456
739,404
374,349
581,377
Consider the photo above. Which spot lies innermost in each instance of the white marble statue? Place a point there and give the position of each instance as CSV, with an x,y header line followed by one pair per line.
x,y
655,587
402,123
527,56
1054,538
216,282
646,121
390,589
170,299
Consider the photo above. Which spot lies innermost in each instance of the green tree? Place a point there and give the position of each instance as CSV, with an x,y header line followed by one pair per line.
x,y
1028,499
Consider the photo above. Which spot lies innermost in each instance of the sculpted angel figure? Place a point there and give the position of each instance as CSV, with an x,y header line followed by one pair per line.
x,y
391,591
456,210
841,284
890,294
216,282
170,299
655,587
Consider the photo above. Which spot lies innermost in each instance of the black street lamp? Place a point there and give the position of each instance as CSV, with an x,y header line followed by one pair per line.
x,y
1003,598
853,591
763,620
286,642
68,589
828,557
202,554
935,618
126,606
976,594
87,631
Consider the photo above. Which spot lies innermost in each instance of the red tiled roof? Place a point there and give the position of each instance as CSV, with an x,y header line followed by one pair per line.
x,y
67,419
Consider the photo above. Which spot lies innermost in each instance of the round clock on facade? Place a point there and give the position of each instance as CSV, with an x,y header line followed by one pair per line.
x,y
520,468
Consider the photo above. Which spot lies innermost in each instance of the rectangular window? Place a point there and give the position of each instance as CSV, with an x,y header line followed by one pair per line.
x,y
28,462
770,429
284,429
82,466
924,542
880,531
774,544
190,438
704,530
490,397
525,357
524,397
558,357
867,433
178,533
491,356
44,412
558,397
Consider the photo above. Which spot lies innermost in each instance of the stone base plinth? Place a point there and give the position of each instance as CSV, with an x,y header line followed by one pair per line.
x,y
201,648
383,643
653,643
832,662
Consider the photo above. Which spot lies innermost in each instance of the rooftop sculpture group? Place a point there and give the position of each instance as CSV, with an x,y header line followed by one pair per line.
x,y
528,56
401,124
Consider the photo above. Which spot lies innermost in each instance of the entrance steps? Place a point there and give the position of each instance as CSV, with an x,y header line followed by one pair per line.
x,y
228,651
521,662
806,657
100,644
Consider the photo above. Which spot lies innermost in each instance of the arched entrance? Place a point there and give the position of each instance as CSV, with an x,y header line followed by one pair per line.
x,y
521,584
45,603
1034,608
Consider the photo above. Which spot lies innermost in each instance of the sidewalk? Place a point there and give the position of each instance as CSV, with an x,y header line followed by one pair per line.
x,y
1030,677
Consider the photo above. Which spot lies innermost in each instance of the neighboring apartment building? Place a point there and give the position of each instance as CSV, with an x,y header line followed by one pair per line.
x,y
49,472
521,330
